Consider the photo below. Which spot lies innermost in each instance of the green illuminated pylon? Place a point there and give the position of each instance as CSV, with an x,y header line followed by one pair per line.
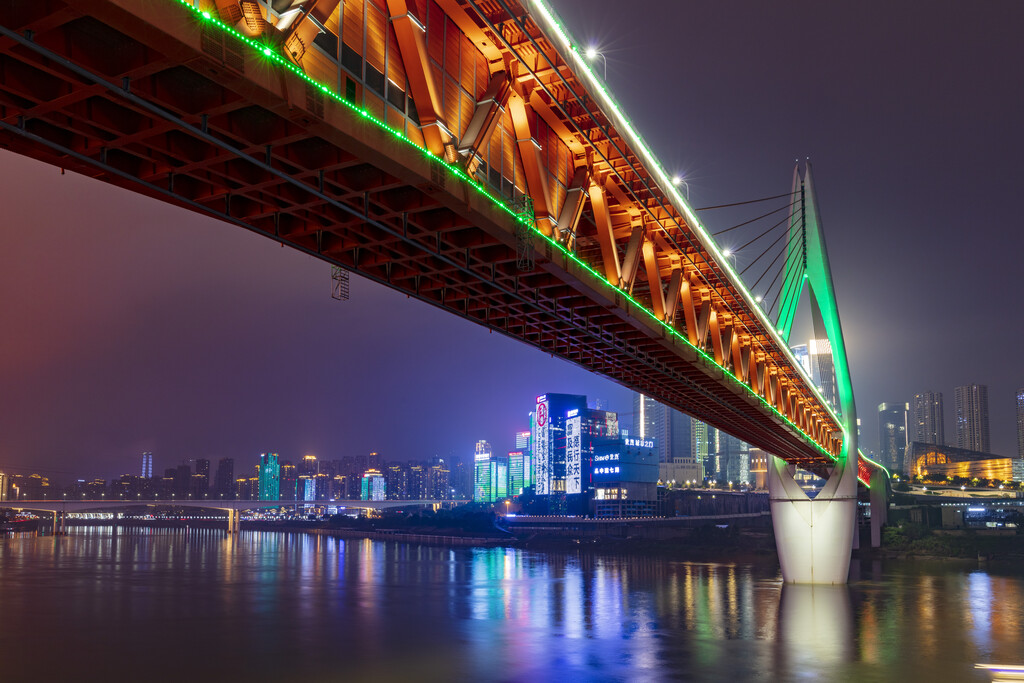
x,y
807,266
814,536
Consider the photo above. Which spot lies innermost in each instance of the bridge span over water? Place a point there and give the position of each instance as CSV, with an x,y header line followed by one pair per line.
x,y
461,152
234,508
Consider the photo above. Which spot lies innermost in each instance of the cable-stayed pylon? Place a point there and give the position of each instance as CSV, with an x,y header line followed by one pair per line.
x,y
815,537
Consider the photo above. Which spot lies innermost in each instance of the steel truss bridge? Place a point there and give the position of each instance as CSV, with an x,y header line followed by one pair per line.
x,y
459,151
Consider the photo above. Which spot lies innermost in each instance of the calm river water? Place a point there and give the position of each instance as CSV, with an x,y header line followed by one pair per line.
x,y
195,605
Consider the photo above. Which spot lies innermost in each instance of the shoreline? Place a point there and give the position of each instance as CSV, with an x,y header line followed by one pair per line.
x,y
747,546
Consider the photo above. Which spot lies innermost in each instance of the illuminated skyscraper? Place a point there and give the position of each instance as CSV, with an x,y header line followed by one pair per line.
x,y
824,370
972,417
669,428
270,477
309,466
549,445
373,487
524,446
700,447
1020,424
927,420
439,485
892,433
515,472
147,465
482,478
647,413
733,459
396,480
800,353
499,477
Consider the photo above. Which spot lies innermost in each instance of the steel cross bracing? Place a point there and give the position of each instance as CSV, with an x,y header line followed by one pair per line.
x,y
133,94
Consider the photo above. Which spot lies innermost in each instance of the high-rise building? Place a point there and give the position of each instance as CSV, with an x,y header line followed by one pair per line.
x,y
482,492
499,477
802,357
396,481
524,446
439,481
224,479
892,433
733,459
182,478
373,487
201,478
972,417
269,477
515,472
147,465
700,447
823,370
305,488
928,418
549,446
289,486
462,481
647,413
309,466
483,477
1020,424
669,428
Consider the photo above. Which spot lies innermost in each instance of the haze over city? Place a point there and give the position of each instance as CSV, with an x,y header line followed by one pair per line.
x,y
140,326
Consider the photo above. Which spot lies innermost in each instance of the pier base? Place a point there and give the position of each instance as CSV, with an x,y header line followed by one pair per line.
x,y
814,537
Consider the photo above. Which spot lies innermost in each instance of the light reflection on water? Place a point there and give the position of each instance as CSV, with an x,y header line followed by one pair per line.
x,y
196,604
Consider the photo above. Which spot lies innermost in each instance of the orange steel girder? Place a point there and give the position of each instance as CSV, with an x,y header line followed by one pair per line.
x,y
413,46
469,253
300,35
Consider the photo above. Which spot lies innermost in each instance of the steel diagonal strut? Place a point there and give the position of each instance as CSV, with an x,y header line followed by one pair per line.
x,y
622,353
640,358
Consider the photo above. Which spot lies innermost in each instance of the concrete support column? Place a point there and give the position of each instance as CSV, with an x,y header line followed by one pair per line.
x,y
879,493
814,538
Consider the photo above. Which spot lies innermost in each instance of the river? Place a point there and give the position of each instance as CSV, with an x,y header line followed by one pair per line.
x,y
197,605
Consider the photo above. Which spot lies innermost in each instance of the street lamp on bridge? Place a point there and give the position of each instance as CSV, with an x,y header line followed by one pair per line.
x,y
677,181
592,54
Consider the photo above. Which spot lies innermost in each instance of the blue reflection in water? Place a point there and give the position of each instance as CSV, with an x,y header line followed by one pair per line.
x,y
195,604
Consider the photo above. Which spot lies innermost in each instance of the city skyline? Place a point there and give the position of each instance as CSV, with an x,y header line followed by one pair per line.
x,y
149,328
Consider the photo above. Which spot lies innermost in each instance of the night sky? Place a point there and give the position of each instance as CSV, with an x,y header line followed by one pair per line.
x,y
130,325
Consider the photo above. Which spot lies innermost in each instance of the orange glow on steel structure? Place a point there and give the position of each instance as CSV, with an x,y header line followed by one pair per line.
x,y
627,281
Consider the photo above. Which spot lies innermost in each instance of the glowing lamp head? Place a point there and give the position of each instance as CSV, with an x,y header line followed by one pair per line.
x,y
727,253
676,180
758,298
591,52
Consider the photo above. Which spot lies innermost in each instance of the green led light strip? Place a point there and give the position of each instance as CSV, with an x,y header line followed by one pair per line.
x,y
269,53
554,24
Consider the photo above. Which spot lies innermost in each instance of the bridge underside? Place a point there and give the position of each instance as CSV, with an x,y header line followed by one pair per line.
x,y
163,108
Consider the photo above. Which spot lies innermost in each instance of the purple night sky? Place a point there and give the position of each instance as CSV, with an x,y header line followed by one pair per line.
x,y
130,325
